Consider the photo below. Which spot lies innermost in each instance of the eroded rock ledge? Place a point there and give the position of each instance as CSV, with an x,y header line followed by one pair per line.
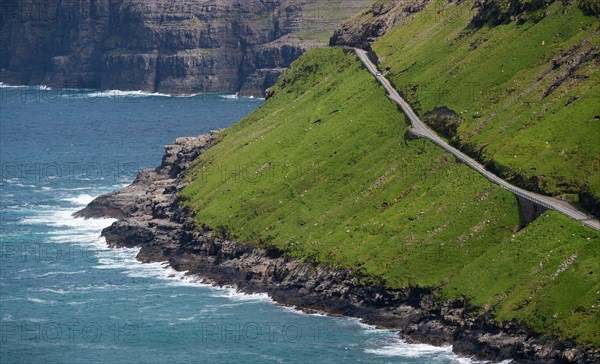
x,y
150,217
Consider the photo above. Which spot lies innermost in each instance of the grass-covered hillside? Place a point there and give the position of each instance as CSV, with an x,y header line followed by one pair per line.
x,y
323,171
522,79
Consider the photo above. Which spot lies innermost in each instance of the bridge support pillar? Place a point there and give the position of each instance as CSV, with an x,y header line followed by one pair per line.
x,y
529,211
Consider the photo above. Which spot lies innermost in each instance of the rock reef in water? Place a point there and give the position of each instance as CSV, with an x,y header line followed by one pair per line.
x,y
150,217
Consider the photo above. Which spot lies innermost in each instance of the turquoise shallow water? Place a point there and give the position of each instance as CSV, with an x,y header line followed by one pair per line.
x,y
66,298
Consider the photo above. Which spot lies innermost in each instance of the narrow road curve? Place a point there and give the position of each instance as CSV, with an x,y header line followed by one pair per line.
x,y
419,128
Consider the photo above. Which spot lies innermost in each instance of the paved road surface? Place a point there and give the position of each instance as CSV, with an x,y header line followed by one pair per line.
x,y
419,128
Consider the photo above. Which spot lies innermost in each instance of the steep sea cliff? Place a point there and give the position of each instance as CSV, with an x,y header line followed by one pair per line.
x,y
172,47
150,217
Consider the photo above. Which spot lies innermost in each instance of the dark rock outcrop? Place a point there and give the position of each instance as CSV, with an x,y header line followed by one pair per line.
x,y
153,190
443,120
496,12
589,200
374,22
151,217
168,46
265,65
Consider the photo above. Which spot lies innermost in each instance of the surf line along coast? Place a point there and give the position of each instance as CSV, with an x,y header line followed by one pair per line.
x,y
151,218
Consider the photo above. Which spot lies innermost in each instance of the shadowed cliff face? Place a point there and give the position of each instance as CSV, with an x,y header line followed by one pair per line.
x,y
168,46
374,21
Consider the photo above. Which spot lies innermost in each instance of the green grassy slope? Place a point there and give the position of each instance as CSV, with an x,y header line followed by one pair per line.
x,y
344,186
545,275
322,171
525,92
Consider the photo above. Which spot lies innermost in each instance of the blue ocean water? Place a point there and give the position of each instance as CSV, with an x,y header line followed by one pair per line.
x,y
66,298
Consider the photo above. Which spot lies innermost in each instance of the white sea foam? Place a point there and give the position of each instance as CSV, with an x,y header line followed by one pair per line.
x,y
119,93
76,303
38,87
80,200
40,301
88,231
364,326
78,289
70,229
234,295
60,273
297,311
191,318
3,85
397,347
232,97
238,97
64,218
393,345
125,259
17,182
139,93
93,288
74,237
83,92
51,290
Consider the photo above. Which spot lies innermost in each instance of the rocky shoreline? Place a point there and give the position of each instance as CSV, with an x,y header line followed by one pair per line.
x,y
149,217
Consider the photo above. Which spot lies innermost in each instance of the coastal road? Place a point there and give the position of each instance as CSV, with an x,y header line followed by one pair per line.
x,y
419,128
